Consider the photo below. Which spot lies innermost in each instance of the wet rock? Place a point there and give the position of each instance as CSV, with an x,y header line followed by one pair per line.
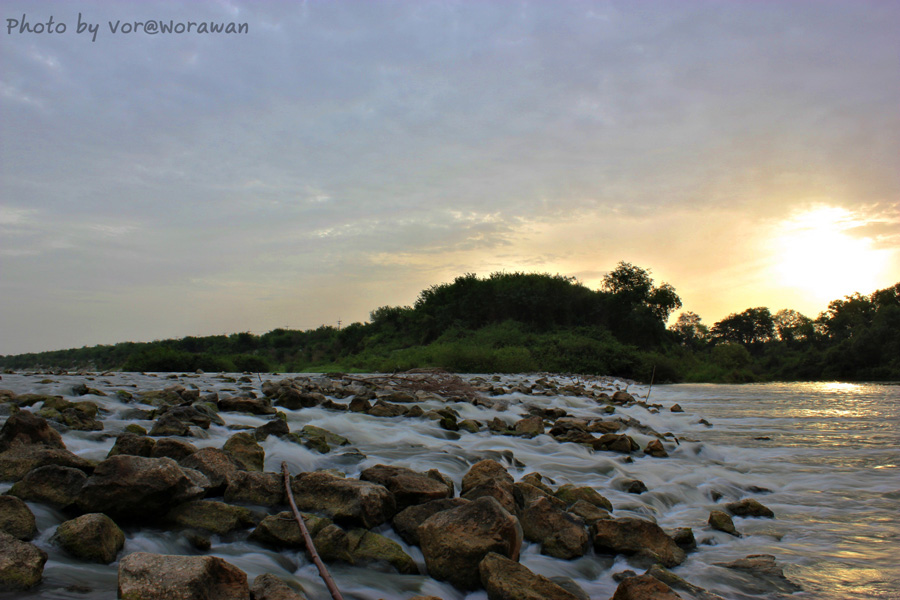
x,y
26,429
134,487
255,406
674,581
560,534
159,398
252,487
406,522
282,530
644,587
18,461
506,579
216,464
621,397
367,548
455,541
684,537
360,405
277,427
132,444
587,511
210,515
93,537
407,486
21,563
144,576
169,424
538,481
16,518
489,478
321,439
346,500
190,415
529,426
525,494
676,408
469,425
655,448
269,587
293,399
51,484
333,544
720,520
632,536
748,507
81,416
386,409
246,451
616,442
172,448
601,426
764,573
571,494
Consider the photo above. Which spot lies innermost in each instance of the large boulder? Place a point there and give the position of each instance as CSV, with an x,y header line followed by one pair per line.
x,y
409,487
133,444
367,547
16,462
51,484
210,515
348,501
560,534
172,448
215,463
636,536
246,451
21,563
455,541
506,579
256,406
92,537
406,522
644,587
489,478
269,587
25,428
135,487
16,518
570,494
252,487
144,576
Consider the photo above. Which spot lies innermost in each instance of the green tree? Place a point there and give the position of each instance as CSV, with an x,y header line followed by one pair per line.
x,y
751,327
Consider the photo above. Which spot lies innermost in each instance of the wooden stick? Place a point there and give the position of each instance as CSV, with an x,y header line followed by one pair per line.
x,y
307,539
652,375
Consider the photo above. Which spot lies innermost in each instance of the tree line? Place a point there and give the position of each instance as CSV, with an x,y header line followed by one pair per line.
x,y
516,322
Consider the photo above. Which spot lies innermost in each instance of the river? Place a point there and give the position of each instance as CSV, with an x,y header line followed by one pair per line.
x,y
825,457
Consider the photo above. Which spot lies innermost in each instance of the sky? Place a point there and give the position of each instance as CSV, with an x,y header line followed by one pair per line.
x,y
344,155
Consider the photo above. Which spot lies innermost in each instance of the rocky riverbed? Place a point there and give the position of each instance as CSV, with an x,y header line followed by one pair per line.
x,y
435,485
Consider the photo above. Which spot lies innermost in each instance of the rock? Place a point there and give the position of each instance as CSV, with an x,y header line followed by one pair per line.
x,y
644,587
246,451
529,426
144,576
168,424
368,548
92,537
656,449
601,426
321,439
51,484
81,416
407,486
135,429
293,399
560,534
190,415
346,500
360,405
525,494
635,536
172,448
684,537
282,530
455,541
634,486
210,515
587,511
16,518
537,480
407,521
386,409
620,397
764,570
269,587
748,507
21,563
506,579
489,478
333,544
256,406
676,408
469,425
615,442
25,428
18,461
277,427
216,464
132,444
134,487
252,487
720,520
571,494
674,581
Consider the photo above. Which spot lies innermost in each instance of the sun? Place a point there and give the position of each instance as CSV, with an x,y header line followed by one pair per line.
x,y
816,254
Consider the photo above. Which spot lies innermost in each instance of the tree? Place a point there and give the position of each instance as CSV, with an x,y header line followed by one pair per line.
x,y
792,326
751,327
634,286
689,330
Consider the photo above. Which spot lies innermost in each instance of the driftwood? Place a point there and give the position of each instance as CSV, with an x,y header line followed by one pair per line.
x,y
307,539
436,381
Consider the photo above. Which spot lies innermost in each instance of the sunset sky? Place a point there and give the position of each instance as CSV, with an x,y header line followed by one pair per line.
x,y
344,155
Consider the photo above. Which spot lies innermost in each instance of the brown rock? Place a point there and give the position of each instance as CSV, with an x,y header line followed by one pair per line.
x,y
282,529
251,487
571,494
51,484
246,451
256,406
407,486
529,426
135,445
144,576
21,563
489,478
18,461
172,448
635,536
748,507
720,520
92,537
506,579
407,521
766,573
560,534
346,500
216,464
16,518
656,449
24,429
644,587
455,541
269,587
616,442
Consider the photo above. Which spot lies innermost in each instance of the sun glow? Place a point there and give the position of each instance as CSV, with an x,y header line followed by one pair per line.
x,y
816,253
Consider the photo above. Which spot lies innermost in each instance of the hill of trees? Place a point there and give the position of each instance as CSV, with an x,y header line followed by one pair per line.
x,y
516,322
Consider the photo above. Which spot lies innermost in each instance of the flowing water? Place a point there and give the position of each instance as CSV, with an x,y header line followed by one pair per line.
x,y
825,457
